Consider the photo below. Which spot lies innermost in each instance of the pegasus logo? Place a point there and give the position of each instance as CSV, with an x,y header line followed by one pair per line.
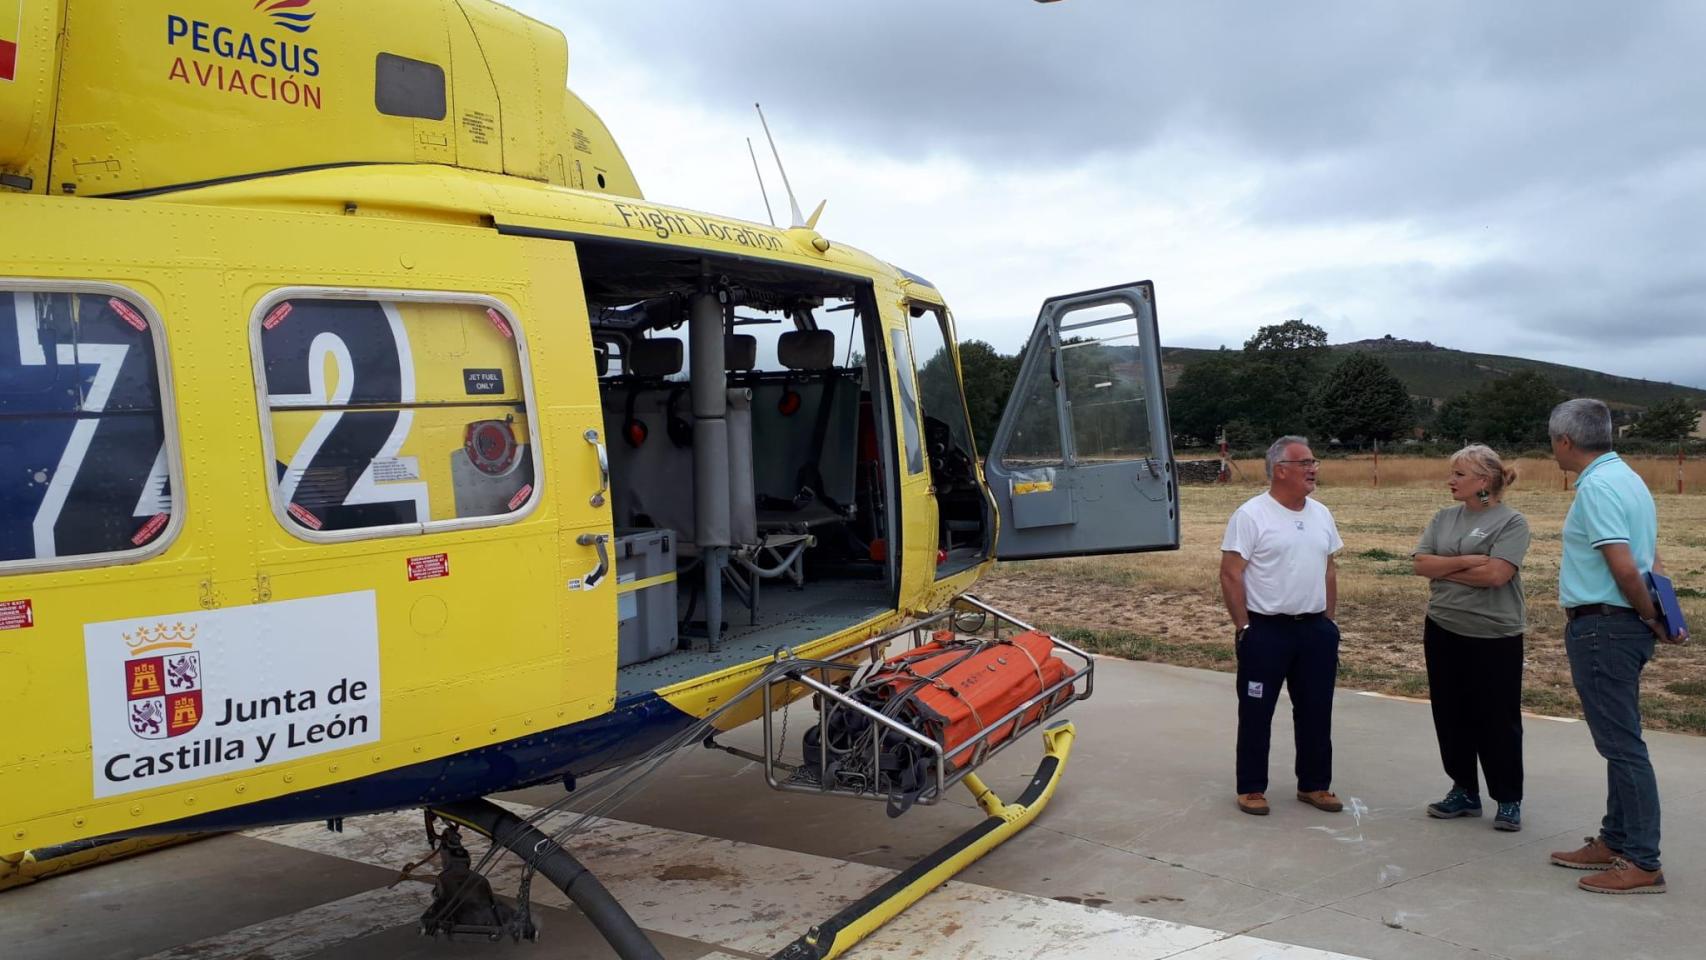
x,y
292,15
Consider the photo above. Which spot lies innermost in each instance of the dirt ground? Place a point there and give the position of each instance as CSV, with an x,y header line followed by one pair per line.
x,y
1166,606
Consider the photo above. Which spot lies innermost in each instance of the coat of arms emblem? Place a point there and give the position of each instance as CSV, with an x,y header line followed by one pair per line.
x,y
164,691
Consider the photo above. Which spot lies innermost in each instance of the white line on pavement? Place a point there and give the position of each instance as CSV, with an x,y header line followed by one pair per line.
x,y
1394,696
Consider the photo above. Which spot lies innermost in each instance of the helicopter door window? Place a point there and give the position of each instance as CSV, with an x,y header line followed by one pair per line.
x,y
1101,357
394,414
948,441
92,474
945,421
1036,437
909,426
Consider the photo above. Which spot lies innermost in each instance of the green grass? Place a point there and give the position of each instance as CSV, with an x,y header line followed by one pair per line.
x,y
1413,686
1548,701
1693,593
1357,675
1688,688
1134,646
1378,554
1689,717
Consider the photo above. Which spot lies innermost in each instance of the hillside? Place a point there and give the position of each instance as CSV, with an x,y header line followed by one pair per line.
x,y
1440,372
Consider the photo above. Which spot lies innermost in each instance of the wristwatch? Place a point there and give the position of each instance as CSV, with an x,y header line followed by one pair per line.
x,y
1238,634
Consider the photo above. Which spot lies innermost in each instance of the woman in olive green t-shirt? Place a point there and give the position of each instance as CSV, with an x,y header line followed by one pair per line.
x,y
1472,555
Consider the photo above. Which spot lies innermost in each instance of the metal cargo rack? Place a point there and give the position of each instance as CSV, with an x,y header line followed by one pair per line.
x,y
966,614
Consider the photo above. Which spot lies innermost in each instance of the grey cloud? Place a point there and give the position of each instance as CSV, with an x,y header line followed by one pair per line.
x,y
1291,80
1563,138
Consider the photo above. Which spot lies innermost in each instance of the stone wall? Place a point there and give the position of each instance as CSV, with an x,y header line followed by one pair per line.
x,y
1197,471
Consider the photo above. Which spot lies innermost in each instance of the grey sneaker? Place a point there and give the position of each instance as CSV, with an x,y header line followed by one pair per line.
x,y
1509,817
1458,803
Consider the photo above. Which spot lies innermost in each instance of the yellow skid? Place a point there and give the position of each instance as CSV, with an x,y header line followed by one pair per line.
x,y
860,919
22,869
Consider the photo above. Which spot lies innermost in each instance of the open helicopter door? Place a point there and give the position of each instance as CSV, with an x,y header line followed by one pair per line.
x,y
1083,460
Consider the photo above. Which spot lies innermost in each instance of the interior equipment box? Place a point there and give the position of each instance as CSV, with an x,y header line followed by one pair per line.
x,y
645,595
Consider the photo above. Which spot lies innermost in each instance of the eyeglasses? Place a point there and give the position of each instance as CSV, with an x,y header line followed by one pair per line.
x,y
1302,463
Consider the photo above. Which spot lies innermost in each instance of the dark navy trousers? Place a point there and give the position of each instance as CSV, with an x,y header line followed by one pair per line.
x,y
1303,654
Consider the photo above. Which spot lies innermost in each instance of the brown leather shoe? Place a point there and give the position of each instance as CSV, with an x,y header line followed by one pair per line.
x,y
1321,800
1253,803
1593,855
1624,877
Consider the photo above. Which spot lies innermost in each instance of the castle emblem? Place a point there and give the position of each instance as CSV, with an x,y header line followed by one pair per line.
x,y
162,681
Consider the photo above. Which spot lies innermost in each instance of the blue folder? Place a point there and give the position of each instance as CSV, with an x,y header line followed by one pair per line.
x,y
1664,599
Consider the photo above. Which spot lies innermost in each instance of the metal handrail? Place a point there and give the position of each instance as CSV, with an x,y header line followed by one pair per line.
x,y
850,661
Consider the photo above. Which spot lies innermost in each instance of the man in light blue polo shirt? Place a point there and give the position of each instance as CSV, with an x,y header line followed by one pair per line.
x,y
1610,542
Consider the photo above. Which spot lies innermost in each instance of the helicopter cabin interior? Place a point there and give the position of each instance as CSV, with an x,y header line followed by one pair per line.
x,y
754,505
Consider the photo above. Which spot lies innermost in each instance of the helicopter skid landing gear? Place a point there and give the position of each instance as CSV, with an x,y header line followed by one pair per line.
x,y
859,919
550,860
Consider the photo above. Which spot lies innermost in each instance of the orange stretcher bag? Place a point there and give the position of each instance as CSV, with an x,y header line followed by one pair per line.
x,y
951,691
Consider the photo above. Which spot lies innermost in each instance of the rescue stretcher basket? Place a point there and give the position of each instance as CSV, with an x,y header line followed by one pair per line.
x,y
826,681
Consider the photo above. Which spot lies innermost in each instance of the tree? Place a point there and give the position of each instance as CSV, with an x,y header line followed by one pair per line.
x,y
1509,413
1454,420
1515,409
989,377
1424,410
1209,395
1361,400
1282,362
1292,336
1673,419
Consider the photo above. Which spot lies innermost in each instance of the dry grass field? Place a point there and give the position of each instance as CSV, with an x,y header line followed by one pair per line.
x,y
1166,606
1533,473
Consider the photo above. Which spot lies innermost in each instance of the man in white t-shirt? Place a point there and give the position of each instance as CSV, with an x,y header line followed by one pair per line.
x,y
1280,586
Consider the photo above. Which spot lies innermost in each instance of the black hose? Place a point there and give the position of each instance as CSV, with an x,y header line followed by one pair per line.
x,y
561,868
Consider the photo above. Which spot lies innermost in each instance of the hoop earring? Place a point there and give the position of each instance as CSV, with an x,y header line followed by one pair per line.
x,y
1483,496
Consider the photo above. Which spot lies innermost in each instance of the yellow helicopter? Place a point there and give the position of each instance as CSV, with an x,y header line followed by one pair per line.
x,y
369,441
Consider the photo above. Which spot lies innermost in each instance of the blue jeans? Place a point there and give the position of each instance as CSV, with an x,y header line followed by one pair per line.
x,y
1607,654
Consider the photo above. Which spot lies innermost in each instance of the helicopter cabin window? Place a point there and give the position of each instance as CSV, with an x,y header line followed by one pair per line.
x,y
961,504
907,379
393,415
408,88
84,432
1101,359
1036,437
743,401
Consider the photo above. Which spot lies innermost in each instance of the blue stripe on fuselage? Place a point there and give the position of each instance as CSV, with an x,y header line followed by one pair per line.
x,y
635,725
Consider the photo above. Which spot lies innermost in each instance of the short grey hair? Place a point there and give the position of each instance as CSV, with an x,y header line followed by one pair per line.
x,y
1585,421
1276,451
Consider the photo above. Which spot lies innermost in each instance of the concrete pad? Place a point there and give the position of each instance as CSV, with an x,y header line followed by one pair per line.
x,y
1141,853
1144,823
1330,928
560,928
747,898
132,908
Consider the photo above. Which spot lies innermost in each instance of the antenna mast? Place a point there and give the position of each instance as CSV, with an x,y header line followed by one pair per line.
x,y
766,194
794,205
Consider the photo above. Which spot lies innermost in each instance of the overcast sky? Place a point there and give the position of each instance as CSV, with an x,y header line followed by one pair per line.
x,y
1518,178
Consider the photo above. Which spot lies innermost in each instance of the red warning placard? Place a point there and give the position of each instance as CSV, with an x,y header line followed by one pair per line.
x,y
16,615
428,568
11,33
